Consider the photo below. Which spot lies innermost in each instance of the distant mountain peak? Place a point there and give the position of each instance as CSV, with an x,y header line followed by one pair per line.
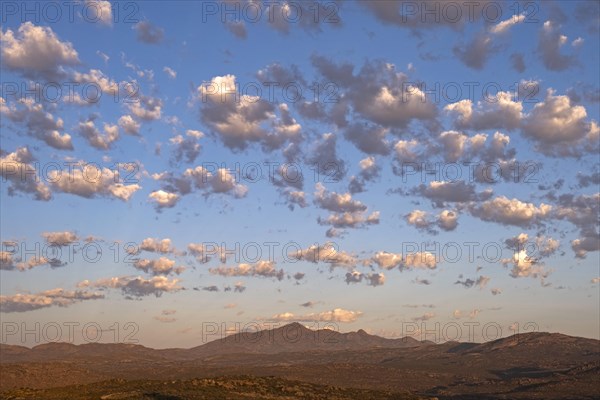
x,y
295,325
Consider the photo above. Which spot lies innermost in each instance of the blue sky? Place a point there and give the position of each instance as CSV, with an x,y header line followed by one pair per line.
x,y
368,244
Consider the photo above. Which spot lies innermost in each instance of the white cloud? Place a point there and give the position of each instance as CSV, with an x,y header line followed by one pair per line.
x,y
511,211
504,26
261,268
326,253
421,260
336,202
335,315
54,297
136,286
163,199
157,245
101,141
60,238
240,119
17,169
172,74
160,266
38,121
495,112
560,128
36,52
99,10
129,125
88,181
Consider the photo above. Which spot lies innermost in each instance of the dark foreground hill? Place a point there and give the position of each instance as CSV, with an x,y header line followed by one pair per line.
x,y
525,366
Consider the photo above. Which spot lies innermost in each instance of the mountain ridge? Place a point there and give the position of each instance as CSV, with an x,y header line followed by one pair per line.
x,y
290,338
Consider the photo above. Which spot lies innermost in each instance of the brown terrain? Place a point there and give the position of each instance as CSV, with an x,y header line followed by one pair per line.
x,y
295,362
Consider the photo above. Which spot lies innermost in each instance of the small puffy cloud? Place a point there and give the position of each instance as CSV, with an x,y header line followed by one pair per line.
x,y
511,211
163,199
481,282
36,52
369,170
577,42
295,198
203,252
240,120
157,245
37,121
336,202
581,246
160,266
221,181
595,280
99,10
224,182
148,33
326,253
540,247
186,148
335,315
16,168
495,112
101,141
372,279
525,265
261,268
7,263
504,26
378,93
98,79
458,314
581,210
88,181
129,125
447,220
54,297
346,212
136,286
171,73
417,218
560,128
356,219
441,192
408,151
420,260
60,238
147,108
